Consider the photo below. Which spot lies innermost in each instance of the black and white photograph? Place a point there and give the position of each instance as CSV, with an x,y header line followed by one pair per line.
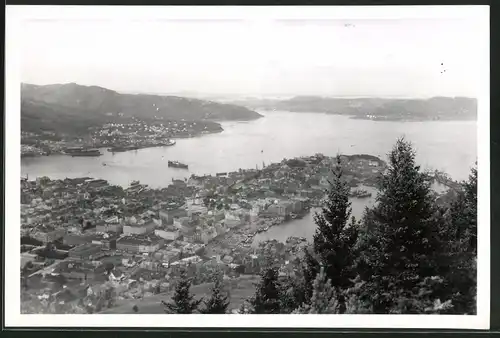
x,y
286,161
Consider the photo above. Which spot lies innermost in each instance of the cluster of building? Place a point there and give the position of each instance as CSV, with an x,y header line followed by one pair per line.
x,y
201,224
131,133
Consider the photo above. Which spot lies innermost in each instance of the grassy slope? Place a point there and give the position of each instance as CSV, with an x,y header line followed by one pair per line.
x,y
242,289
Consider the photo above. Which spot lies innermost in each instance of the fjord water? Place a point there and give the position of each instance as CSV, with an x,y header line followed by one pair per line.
x,y
449,146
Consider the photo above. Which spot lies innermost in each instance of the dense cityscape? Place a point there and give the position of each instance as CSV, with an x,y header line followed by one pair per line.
x,y
272,174
207,220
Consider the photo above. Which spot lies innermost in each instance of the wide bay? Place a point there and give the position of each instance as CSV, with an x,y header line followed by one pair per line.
x,y
449,146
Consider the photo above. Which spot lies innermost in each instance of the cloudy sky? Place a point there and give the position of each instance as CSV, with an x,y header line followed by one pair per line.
x,y
412,58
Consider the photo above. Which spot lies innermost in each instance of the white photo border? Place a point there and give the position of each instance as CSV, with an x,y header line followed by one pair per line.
x,y
15,15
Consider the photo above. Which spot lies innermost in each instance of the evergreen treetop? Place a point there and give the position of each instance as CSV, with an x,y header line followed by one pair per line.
x,y
324,299
335,239
183,301
402,232
267,295
218,301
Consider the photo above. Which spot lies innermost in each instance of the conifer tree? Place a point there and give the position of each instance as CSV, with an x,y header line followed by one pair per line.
x,y
183,301
267,296
464,214
324,299
292,293
402,246
335,237
218,301
461,227
310,268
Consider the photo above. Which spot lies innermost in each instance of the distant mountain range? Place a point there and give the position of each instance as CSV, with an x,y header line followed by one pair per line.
x,y
62,106
436,108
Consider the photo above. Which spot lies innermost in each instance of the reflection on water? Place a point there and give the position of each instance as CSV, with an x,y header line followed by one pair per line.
x,y
306,227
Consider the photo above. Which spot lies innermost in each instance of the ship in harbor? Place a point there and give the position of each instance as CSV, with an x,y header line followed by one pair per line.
x,y
123,148
70,150
120,149
177,164
74,152
358,193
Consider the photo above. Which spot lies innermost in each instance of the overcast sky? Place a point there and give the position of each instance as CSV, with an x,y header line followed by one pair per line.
x,y
334,57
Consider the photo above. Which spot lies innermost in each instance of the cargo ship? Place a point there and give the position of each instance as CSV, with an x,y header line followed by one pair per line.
x,y
85,152
177,164
71,150
122,149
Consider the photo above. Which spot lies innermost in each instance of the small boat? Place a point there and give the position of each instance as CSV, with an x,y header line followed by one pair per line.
x,y
177,164
360,194
104,164
170,143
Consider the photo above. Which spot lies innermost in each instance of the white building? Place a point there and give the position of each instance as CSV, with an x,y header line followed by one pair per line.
x,y
171,235
139,229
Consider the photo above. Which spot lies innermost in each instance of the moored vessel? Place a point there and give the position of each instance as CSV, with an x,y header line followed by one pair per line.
x,y
85,152
177,164
120,149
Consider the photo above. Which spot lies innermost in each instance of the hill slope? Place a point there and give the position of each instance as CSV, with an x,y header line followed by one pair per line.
x,y
60,104
240,290
445,108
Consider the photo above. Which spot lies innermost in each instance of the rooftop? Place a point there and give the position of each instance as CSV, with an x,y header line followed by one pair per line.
x,y
138,240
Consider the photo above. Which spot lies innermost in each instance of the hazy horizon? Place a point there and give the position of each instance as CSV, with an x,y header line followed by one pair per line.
x,y
417,58
236,96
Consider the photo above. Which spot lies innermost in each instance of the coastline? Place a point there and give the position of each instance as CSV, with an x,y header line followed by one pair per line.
x,y
135,147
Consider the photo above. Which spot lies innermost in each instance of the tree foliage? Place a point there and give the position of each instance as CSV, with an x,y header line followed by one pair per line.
x,y
218,301
324,299
335,238
183,301
402,244
267,295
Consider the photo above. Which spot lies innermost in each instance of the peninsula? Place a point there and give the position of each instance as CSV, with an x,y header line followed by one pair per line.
x,y
68,115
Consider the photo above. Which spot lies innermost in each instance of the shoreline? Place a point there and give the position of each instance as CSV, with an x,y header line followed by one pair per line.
x,y
375,119
136,147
